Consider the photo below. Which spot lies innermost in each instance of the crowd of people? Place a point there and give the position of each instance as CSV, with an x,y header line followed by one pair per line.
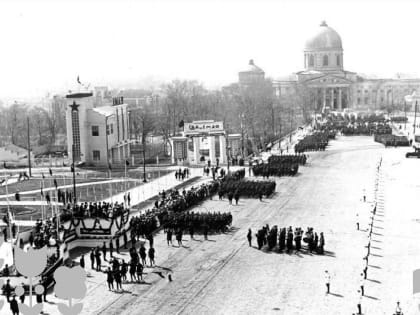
x,y
105,210
288,239
182,174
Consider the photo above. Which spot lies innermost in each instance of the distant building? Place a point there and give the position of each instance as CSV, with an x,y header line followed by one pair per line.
x,y
329,85
251,75
97,135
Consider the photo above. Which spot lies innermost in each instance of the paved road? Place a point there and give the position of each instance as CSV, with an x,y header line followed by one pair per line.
x,y
226,276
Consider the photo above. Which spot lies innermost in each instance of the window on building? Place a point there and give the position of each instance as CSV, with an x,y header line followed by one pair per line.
x,y
311,61
95,131
325,60
358,101
96,155
109,129
366,91
358,91
338,60
366,100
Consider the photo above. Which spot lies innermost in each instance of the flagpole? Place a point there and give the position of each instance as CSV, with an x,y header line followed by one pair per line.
x,y
56,210
9,213
125,182
42,200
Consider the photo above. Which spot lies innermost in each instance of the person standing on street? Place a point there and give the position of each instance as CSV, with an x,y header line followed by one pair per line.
x,y
359,303
110,279
357,221
82,261
92,259
327,281
249,237
104,251
362,284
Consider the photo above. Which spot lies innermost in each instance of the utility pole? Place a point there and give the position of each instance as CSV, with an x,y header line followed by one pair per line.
x,y
227,147
144,152
29,150
415,120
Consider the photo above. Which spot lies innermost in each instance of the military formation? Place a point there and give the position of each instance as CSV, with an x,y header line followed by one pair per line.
x,y
195,222
275,168
389,140
171,201
247,188
287,239
317,141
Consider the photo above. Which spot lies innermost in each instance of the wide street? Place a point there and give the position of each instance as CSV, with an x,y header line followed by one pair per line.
x,y
225,276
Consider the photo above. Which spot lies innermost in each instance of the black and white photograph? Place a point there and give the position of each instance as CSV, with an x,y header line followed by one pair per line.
x,y
209,157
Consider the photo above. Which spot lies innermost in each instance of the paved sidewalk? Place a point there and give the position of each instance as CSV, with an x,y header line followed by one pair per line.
x,y
30,192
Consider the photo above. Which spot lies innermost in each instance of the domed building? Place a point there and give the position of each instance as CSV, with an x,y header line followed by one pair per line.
x,y
251,74
329,86
324,50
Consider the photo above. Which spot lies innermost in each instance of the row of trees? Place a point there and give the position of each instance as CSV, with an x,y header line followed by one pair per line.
x,y
253,110
43,124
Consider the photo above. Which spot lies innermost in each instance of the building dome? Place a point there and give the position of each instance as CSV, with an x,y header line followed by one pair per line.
x,y
325,38
252,68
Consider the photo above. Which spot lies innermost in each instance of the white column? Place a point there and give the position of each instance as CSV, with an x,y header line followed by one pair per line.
x,y
332,99
196,145
339,99
222,142
212,153
172,151
324,98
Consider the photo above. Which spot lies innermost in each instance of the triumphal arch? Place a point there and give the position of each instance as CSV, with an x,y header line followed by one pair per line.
x,y
200,142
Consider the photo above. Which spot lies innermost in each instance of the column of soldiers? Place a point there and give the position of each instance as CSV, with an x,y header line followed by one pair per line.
x,y
170,202
193,222
276,168
288,239
317,141
248,188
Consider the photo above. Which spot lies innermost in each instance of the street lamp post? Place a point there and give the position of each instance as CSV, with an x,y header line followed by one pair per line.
x,y
74,175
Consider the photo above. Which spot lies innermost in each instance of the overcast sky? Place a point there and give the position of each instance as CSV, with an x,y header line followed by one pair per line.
x,y
46,44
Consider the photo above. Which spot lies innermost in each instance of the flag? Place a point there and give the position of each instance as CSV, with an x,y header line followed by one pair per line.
x,y
72,167
181,124
42,192
109,167
43,177
50,172
127,163
4,164
78,80
55,183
